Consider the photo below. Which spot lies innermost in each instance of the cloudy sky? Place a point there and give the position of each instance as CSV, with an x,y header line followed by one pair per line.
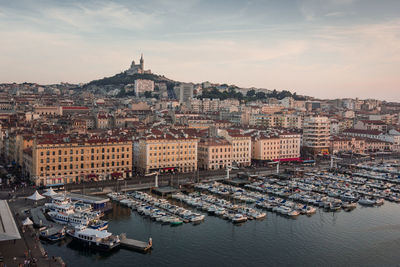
x,y
323,48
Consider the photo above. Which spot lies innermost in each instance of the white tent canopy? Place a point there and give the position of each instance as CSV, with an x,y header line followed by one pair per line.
x,y
36,196
50,192
27,221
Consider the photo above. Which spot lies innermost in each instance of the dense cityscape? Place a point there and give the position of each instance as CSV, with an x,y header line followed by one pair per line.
x,y
65,133
137,126
196,133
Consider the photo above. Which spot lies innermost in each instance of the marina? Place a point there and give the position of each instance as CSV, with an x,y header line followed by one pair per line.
x,y
264,204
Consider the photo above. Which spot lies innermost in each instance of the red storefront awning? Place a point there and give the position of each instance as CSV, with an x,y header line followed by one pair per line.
x,y
287,159
116,174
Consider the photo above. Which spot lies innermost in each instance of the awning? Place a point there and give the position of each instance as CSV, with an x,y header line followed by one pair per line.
x,y
92,175
287,159
59,184
116,174
35,196
50,192
169,169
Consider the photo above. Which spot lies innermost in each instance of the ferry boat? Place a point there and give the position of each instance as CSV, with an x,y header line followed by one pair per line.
x,y
96,239
63,208
69,219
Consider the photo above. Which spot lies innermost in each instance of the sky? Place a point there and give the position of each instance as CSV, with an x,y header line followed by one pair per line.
x,y
321,48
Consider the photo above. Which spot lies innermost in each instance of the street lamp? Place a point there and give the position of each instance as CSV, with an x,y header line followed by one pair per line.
x,y
228,169
156,177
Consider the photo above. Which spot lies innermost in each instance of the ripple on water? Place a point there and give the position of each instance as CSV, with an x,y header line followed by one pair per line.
x,y
365,236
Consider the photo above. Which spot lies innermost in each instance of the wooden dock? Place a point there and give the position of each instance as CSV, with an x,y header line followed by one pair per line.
x,y
133,244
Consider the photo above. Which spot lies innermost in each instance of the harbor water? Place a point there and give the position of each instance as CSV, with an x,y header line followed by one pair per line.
x,y
366,236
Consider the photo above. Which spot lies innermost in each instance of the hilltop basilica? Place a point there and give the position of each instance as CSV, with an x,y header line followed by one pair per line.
x,y
137,68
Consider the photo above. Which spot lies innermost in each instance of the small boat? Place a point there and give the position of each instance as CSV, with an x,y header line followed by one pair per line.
x,y
98,224
347,206
211,210
308,210
379,202
293,213
53,234
175,221
239,218
366,202
335,205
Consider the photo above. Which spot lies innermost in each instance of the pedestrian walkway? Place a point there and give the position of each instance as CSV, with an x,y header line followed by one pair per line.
x,y
28,248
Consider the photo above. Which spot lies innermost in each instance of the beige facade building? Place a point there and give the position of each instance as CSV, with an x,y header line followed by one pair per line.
x,y
48,110
265,148
281,120
276,147
165,153
347,144
214,154
241,147
61,159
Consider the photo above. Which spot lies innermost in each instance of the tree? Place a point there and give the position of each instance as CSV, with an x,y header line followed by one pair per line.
x,y
121,93
147,94
251,93
260,95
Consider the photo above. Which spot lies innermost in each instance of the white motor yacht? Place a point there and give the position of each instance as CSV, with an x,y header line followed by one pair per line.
x,y
102,240
366,202
239,218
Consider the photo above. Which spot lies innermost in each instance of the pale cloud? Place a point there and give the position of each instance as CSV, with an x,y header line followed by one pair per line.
x,y
89,17
314,9
88,40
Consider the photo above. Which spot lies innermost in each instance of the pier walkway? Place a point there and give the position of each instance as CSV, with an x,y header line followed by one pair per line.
x,y
28,247
133,244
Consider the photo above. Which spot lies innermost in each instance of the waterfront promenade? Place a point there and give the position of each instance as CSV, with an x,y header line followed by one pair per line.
x,y
28,250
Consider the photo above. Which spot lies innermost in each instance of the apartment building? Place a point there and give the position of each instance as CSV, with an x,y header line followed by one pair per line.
x,y
241,147
346,144
265,148
61,159
214,153
165,153
278,146
376,125
316,134
289,146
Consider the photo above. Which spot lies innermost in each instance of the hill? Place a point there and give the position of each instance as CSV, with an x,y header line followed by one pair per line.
x,y
124,79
